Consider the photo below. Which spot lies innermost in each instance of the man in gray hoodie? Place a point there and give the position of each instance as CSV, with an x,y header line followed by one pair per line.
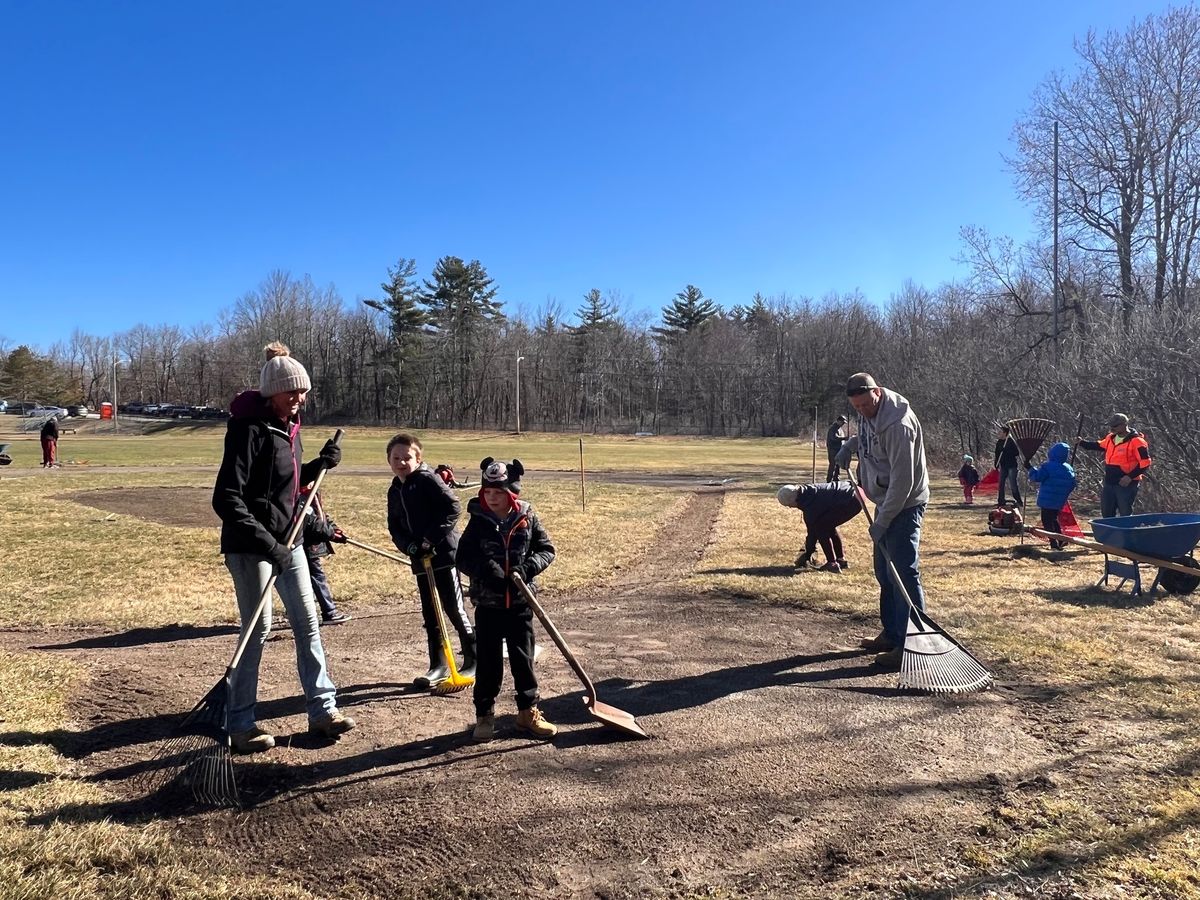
x,y
892,470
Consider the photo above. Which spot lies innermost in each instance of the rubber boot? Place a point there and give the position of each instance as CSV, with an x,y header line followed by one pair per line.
x,y
467,669
438,670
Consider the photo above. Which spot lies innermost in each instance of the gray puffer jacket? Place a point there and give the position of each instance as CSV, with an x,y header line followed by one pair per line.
x,y
490,549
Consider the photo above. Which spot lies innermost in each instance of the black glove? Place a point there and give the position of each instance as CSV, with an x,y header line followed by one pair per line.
x,y
280,556
331,454
338,536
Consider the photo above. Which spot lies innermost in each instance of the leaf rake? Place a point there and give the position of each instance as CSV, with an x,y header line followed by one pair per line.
x,y
200,755
931,660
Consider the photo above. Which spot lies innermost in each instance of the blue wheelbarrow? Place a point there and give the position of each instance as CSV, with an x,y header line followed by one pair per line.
x,y
1162,540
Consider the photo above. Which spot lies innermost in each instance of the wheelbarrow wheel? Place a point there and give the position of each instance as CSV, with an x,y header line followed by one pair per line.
x,y
1176,582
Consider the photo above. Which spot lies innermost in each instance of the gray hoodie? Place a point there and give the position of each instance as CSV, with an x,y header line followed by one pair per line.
x,y
891,453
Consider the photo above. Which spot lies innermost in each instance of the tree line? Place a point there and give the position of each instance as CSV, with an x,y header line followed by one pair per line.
x,y
445,351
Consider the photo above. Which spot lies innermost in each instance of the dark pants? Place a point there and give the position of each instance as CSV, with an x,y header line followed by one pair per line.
x,y
1116,500
1050,523
495,626
320,586
1008,478
822,530
832,474
902,540
449,589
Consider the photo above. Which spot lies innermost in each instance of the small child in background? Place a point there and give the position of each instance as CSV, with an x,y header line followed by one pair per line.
x,y
320,534
825,507
504,536
968,477
1055,479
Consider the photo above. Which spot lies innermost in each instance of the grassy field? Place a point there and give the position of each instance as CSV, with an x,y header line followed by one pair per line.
x,y
191,444
1134,666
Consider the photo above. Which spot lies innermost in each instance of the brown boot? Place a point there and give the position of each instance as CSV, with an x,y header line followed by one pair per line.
x,y
878,644
485,727
332,725
531,720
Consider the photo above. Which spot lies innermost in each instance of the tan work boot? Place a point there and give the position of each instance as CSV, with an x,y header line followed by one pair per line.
x,y
331,725
531,720
255,740
890,661
878,644
485,728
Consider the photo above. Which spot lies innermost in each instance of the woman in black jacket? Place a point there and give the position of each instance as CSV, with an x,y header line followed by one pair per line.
x,y
255,497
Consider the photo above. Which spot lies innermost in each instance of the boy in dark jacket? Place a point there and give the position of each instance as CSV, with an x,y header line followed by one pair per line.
x,y
422,515
825,507
503,536
320,534
968,477
1056,478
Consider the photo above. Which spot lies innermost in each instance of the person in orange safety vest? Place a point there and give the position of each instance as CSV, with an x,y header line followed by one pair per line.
x,y
1126,459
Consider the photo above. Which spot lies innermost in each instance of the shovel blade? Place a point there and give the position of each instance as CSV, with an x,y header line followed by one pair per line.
x,y
615,718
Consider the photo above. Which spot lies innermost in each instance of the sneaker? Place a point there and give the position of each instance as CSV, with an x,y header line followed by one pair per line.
x,y
890,660
485,728
336,618
845,565
877,644
331,725
256,740
831,566
531,720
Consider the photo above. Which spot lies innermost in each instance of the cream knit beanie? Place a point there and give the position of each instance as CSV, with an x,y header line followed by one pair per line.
x,y
281,372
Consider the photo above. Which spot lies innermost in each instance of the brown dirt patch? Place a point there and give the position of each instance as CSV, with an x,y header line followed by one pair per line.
x,y
781,763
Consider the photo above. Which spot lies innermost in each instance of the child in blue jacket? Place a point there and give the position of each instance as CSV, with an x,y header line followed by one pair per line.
x,y
1056,480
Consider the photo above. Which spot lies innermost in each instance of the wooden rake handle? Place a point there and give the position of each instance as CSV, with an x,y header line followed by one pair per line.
x,y
887,558
559,640
297,530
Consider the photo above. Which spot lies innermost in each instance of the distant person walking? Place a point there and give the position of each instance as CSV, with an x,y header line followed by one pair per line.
x,y
1126,459
50,443
834,438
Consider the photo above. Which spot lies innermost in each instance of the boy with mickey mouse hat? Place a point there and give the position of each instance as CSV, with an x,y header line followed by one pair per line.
x,y
504,537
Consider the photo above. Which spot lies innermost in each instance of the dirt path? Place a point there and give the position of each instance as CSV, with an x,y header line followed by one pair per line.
x,y
781,763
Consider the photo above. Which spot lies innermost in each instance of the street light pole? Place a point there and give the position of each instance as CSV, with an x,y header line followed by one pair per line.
x,y
519,358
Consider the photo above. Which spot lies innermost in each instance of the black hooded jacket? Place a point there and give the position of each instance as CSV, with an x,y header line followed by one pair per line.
x,y
259,479
424,508
491,549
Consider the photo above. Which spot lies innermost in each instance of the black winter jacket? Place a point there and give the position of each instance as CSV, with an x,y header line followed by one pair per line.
x,y
490,550
50,429
424,508
259,479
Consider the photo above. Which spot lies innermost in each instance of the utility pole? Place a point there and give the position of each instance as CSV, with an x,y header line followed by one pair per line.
x,y
1054,318
519,358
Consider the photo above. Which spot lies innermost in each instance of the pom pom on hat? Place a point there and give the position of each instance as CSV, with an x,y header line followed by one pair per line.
x,y
506,476
281,373
967,457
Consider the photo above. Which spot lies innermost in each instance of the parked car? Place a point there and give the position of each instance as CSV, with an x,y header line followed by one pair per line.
x,y
209,412
20,407
132,409
78,411
151,409
45,412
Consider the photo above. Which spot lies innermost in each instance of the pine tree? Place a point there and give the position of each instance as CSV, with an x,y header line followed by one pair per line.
x,y
462,305
688,311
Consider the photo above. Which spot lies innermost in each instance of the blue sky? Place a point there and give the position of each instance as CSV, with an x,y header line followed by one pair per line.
x,y
161,159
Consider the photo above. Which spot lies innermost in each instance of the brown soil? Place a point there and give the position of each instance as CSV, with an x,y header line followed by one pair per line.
x,y
781,763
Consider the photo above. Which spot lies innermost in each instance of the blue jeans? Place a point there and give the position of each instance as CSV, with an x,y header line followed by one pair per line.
x,y
902,540
250,575
1116,500
1008,479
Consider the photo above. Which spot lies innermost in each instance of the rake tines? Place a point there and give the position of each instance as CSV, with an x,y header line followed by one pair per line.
x,y
933,661
1029,434
199,756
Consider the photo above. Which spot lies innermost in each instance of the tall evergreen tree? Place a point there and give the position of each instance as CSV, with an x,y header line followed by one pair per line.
x,y
688,311
406,318
462,305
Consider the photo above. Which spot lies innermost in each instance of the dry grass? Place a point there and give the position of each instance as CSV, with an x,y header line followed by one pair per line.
x,y
70,860
1040,621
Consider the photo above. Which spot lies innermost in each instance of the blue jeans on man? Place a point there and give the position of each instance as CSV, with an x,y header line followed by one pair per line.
x,y
1116,500
902,541
250,575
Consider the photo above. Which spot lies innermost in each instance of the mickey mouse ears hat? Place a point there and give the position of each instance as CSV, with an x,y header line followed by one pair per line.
x,y
506,476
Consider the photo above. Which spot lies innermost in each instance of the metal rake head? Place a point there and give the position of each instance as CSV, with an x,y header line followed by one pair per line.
x,y
1029,434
